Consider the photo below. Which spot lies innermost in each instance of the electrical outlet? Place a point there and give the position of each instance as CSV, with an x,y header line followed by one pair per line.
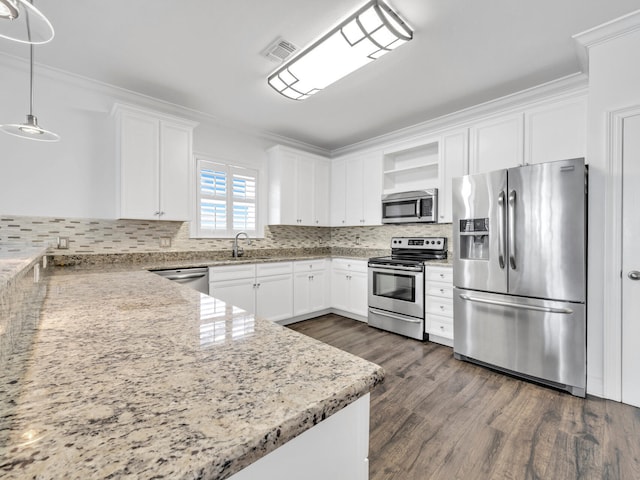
x,y
63,243
357,239
165,242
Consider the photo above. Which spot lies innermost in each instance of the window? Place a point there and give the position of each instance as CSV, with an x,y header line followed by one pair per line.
x,y
226,199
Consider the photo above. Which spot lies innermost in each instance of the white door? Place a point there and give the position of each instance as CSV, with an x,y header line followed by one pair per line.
x,y
301,292
175,148
496,144
631,262
239,293
274,297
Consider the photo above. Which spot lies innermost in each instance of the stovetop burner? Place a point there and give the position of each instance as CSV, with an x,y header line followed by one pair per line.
x,y
414,250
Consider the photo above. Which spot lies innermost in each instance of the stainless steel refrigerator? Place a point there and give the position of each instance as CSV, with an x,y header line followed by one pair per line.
x,y
520,271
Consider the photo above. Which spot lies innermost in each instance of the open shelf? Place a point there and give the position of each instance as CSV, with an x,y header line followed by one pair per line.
x,y
416,168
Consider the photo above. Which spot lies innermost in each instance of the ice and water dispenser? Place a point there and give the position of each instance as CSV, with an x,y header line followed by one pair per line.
x,y
474,239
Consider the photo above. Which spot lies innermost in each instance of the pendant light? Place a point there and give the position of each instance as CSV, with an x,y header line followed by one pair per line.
x,y
30,129
21,22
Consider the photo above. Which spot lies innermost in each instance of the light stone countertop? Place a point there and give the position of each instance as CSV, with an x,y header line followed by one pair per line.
x,y
130,375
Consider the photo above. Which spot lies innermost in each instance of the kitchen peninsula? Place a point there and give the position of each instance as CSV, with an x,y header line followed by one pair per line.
x,y
129,375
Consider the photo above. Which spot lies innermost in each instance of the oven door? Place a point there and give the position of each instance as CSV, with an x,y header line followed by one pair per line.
x,y
398,289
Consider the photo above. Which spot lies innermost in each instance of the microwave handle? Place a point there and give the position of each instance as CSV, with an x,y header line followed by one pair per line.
x,y
418,208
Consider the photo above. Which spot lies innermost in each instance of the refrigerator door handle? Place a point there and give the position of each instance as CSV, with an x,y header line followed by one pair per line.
x,y
566,311
501,239
512,229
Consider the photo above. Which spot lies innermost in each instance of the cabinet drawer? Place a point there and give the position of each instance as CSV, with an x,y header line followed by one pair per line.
x,y
438,289
309,265
350,265
232,272
439,327
439,306
439,274
276,268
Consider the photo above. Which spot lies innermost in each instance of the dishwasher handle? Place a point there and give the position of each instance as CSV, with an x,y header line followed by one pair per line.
x,y
185,276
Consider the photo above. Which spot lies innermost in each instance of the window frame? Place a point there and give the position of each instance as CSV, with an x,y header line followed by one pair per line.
x,y
230,170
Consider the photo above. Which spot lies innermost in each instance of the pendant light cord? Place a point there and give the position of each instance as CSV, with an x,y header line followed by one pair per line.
x,y
30,63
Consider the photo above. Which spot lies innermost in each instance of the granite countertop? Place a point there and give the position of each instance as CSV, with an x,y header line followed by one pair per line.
x,y
133,376
16,259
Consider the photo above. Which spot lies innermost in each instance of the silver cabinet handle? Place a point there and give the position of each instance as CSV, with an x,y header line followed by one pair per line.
x,y
501,220
515,305
634,275
512,229
418,208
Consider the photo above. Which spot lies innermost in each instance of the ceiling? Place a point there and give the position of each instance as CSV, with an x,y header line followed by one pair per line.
x,y
205,55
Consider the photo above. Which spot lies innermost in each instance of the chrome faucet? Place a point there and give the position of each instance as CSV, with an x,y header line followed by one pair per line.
x,y
239,251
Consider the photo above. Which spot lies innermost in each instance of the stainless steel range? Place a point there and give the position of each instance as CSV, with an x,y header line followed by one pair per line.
x,y
396,284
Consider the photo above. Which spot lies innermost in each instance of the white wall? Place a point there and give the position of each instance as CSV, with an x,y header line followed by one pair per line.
x,y
614,84
76,176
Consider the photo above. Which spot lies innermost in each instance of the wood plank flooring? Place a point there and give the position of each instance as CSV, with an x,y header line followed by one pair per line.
x,y
435,417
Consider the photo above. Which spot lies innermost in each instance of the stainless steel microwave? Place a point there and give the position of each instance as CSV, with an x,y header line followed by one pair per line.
x,y
419,206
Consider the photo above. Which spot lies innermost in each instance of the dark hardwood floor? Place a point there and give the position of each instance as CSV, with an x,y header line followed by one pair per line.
x,y
435,417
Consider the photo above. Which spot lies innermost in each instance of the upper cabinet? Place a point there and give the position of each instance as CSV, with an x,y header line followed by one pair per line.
x,y
454,162
356,190
549,131
556,131
154,152
298,187
496,143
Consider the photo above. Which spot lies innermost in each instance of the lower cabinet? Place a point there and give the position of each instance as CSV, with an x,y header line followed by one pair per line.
x,y
310,286
349,286
265,289
439,304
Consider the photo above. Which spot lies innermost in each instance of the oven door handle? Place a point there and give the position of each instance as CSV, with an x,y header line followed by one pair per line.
x,y
395,267
396,317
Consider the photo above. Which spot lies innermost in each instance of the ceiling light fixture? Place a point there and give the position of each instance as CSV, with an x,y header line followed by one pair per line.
x,y
30,129
21,22
369,33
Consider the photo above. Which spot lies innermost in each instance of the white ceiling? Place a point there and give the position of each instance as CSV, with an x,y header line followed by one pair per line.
x,y
205,55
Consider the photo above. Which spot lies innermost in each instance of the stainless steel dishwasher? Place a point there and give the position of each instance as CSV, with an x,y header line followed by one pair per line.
x,y
196,278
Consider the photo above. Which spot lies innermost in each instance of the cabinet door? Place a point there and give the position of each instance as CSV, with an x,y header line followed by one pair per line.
x,y
354,192
497,143
453,163
372,189
274,299
301,293
305,188
321,178
358,293
175,154
338,193
556,131
240,293
318,291
340,290
283,208
139,169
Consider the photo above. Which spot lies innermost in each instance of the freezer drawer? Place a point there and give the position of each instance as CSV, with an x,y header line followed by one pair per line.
x,y
542,339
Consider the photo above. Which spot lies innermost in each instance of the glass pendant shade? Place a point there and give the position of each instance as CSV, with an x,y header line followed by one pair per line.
x,y
365,36
21,22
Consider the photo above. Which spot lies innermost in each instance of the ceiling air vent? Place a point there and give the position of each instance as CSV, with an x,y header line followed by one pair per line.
x,y
279,50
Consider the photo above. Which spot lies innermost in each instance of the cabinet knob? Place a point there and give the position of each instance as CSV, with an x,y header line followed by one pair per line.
x,y
156,213
441,307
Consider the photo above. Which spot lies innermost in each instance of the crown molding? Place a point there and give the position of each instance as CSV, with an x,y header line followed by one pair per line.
x,y
604,33
121,95
573,85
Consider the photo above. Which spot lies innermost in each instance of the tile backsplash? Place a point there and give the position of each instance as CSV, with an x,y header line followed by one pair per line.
x,y
98,236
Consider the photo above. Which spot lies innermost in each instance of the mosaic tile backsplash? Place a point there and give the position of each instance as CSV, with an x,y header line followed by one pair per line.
x,y
96,236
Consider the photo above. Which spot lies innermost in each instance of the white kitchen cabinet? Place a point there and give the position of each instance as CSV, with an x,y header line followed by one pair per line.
x,y
349,286
338,209
556,131
298,187
265,289
454,162
497,143
153,168
356,190
439,304
310,286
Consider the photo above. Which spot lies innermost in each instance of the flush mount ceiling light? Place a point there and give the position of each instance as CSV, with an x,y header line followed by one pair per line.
x,y
21,22
30,129
366,35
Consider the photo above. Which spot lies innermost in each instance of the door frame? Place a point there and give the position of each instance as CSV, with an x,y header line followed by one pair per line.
x,y
612,315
